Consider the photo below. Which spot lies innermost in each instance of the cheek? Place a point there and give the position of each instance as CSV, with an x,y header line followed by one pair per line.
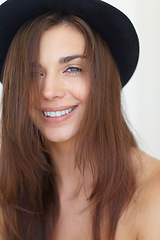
x,y
81,91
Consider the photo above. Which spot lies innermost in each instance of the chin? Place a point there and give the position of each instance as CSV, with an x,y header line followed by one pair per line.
x,y
57,137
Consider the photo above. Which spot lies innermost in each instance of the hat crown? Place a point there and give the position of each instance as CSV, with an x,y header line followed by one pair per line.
x,y
112,24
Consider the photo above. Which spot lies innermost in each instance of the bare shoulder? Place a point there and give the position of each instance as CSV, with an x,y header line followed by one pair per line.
x,y
148,198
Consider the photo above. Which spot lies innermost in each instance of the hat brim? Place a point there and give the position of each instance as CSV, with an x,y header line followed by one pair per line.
x,y
112,24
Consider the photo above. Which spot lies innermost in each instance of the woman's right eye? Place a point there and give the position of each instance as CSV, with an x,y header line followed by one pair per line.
x,y
37,74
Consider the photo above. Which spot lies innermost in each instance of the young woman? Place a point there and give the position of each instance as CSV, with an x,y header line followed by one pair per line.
x,y
70,167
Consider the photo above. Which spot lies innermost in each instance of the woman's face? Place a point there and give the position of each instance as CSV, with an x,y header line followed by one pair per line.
x,y
63,83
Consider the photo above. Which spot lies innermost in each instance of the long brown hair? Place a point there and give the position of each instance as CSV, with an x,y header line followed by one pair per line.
x,y
29,198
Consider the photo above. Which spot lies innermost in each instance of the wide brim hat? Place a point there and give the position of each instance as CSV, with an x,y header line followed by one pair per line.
x,y
113,25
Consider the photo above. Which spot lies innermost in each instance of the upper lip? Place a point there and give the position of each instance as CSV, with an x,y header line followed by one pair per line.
x,y
57,108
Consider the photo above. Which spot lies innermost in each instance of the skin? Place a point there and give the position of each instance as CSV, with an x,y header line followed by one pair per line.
x,y
141,220
62,85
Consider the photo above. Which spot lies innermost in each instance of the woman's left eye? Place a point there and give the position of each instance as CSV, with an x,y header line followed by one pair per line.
x,y
73,70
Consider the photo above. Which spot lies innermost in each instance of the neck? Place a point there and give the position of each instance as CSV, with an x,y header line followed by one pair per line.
x,y
69,178
70,181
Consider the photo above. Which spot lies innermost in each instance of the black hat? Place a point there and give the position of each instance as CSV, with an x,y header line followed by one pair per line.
x,y
112,24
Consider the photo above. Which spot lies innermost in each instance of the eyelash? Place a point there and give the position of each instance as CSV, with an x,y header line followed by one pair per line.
x,y
73,70
70,70
38,74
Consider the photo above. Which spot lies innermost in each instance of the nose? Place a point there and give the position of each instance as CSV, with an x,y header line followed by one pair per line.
x,y
52,87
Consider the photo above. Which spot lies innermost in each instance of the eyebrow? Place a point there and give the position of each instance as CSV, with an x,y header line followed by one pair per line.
x,y
70,58
61,60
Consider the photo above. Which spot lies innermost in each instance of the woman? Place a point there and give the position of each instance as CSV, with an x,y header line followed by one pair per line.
x,y
70,167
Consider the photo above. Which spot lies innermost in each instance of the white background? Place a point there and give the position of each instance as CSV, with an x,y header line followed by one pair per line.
x,y
141,96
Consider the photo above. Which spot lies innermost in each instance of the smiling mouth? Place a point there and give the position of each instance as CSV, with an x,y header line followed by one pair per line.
x,y
59,113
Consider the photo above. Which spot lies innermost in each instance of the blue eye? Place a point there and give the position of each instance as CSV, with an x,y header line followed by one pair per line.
x,y
73,70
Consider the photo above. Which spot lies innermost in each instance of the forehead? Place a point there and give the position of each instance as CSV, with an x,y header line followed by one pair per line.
x,y
62,39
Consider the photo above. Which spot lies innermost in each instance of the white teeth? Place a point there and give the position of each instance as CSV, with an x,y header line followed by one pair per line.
x,y
58,113
63,113
53,114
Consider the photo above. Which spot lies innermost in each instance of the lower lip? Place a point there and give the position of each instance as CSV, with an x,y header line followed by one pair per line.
x,y
58,119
